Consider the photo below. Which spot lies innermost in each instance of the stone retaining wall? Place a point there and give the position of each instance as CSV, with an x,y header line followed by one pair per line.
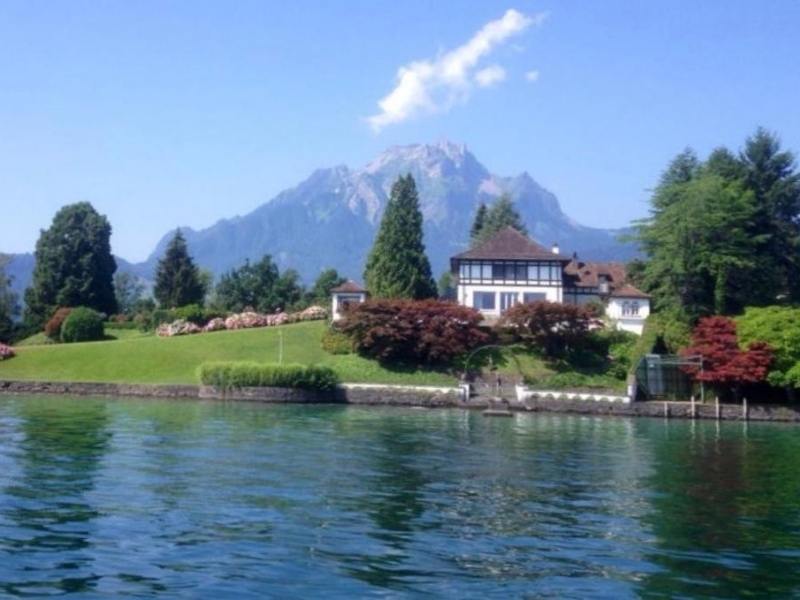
x,y
419,396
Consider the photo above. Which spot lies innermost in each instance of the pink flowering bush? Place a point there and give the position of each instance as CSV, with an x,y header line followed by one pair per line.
x,y
179,327
217,324
244,320
6,352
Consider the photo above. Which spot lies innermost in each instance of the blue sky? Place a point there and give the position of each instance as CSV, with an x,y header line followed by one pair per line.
x,y
182,113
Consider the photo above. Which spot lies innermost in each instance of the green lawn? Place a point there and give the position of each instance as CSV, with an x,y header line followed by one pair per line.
x,y
136,358
40,339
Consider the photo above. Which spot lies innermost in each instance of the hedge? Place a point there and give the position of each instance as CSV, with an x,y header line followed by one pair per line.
x,y
250,374
82,325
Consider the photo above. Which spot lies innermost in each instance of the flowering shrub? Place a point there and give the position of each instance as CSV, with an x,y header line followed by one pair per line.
x,y
245,320
179,327
420,331
217,324
6,352
312,313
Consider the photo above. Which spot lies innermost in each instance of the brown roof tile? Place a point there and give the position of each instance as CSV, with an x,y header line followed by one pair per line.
x,y
628,291
509,244
349,287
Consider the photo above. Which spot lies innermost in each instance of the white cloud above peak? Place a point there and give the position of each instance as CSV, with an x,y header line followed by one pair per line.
x,y
430,86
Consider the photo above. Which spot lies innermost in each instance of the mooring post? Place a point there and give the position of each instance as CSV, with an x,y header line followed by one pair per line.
x,y
666,409
745,413
693,407
717,408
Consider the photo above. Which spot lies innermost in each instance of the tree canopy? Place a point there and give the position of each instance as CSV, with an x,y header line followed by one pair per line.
x,y
397,266
9,307
258,286
725,233
327,280
74,265
178,281
500,215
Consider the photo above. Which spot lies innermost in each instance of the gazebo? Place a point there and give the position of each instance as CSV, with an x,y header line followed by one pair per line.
x,y
344,295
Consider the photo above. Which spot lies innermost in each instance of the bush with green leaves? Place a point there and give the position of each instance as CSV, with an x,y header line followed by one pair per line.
x,y
82,325
336,342
778,326
228,375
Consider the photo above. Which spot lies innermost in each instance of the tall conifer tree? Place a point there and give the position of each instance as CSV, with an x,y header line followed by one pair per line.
x,y
478,224
397,266
178,280
74,265
500,215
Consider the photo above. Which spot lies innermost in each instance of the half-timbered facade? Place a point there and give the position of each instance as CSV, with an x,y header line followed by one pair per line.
x,y
510,268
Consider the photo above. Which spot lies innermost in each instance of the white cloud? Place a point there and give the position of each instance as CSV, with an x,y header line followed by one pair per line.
x,y
435,85
532,76
490,75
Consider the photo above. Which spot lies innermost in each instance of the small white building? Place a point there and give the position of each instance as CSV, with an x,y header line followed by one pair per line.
x,y
510,268
344,295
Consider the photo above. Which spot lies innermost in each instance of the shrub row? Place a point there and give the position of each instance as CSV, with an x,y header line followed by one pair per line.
x,y
413,331
228,375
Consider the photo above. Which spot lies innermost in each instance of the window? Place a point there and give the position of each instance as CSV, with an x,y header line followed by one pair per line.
x,y
635,308
521,271
498,271
483,300
486,271
533,272
507,300
529,297
475,271
463,271
555,273
626,308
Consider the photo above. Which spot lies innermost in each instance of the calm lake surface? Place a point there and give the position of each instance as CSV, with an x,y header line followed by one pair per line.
x,y
212,500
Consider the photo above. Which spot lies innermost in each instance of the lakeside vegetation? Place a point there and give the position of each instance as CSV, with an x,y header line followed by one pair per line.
x,y
721,261
175,360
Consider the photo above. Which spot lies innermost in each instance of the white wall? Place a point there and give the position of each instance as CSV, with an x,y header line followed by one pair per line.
x,y
338,298
632,323
465,292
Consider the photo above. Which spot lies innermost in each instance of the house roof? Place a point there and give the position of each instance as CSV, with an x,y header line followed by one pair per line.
x,y
628,291
509,244
588,274
580,273
349,287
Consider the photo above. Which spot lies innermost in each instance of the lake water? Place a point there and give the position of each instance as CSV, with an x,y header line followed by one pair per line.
x,y
213,500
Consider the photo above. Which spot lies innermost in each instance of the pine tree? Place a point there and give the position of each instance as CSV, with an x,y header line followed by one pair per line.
x,y
177,277
500,215
478,224
397,266
770,174
74,265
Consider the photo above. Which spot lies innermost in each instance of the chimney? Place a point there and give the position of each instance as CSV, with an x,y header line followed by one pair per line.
x,y
555,248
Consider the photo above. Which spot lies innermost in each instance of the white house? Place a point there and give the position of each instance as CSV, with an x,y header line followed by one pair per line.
x,y
509,268
342,296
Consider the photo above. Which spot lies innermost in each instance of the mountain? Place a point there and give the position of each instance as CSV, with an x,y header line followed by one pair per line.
x,y
330,219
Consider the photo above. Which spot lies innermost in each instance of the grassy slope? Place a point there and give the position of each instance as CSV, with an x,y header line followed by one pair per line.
x,y
175,360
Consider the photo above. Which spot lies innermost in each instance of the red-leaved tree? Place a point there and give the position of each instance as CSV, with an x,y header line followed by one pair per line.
x,y
413,331
551,327
725,364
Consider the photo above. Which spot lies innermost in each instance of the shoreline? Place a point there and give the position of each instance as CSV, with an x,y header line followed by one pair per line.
x,y
356,394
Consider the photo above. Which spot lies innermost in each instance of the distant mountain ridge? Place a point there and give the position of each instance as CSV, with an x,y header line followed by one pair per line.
x,y
330,219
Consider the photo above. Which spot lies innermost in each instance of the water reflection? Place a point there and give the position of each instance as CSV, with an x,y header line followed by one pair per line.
x,y
725,512
216,500
46,511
